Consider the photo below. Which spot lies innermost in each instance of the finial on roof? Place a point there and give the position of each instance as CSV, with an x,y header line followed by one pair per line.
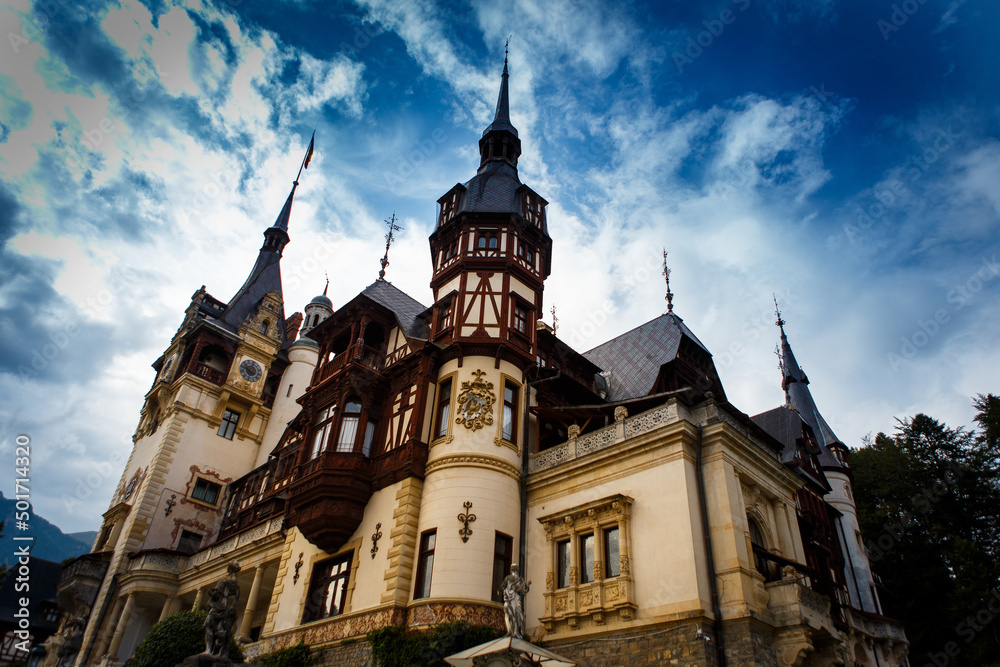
x,y
780,322
506,50
666,275
555,320
327,283
393,227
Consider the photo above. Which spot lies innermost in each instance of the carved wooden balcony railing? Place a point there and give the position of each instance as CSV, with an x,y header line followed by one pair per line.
x,y
209,373
357,353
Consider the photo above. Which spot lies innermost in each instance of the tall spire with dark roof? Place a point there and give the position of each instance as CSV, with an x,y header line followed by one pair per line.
x,y
797,396
500,140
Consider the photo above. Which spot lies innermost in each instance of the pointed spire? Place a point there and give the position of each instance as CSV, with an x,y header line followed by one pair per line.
x,y
501,119
666,275
797,396
393,227
327,286
286,211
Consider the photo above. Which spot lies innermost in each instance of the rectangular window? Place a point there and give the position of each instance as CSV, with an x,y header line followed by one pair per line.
x,y
206,491
612,553
348,432
586,559
446,313
444,403
228,426
321,431
503,548
328,588
425,564
366,448
562,553
189,541
509,411
520,319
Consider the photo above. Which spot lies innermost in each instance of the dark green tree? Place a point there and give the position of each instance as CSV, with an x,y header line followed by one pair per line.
x,y
928,500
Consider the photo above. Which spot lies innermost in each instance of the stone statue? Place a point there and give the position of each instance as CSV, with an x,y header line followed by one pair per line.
x,y
222,600
514,588
72,633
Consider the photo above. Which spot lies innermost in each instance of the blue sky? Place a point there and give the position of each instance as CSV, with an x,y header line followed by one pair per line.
x,y
842,155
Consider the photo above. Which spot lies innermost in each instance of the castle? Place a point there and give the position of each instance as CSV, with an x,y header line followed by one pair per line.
x,y
388,461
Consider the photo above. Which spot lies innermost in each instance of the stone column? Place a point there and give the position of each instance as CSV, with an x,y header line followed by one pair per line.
x,y
105,635
251,609
170,606
198,597
116,641
785,546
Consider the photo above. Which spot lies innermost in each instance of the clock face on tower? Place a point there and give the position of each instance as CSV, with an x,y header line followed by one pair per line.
x,y
250,370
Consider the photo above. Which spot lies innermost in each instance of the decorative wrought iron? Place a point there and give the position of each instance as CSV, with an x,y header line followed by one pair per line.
x,y
376,536
298,566
475,403
466,518
171,501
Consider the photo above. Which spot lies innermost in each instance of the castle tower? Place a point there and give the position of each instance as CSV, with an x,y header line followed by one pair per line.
x,y
317,311
202,427
832,459
491,253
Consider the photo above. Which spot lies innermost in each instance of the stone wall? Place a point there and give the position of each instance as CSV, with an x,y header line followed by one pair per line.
x,y
749,642
678,645
352,654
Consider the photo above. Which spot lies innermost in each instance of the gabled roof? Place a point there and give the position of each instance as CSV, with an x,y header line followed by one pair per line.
x,y
406,309
635,357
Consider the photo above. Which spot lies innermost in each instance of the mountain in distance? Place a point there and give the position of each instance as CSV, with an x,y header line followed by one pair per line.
x,y
50,543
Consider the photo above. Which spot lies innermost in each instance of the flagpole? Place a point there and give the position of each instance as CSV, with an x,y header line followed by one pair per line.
x,y
306,156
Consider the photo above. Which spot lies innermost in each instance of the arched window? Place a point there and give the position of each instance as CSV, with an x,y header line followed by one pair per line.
x,y
349,426
766,567
263,327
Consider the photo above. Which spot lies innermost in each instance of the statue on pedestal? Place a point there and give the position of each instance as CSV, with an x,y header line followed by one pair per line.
x,y
514,588
222,600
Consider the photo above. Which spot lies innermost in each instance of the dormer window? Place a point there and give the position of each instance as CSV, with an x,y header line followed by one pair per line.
x,y
264,327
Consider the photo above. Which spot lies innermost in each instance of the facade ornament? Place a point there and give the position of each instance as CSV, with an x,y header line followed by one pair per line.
x,y
514,588
298,566
466,518
573,431
621,412
222,601
376,536
171,501
475,403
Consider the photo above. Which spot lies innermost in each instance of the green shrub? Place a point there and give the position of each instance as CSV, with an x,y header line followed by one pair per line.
x,y
175,638
395,647
293,656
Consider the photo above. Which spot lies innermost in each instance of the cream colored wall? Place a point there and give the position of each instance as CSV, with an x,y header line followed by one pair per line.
x,y
666,543
522,290
470,465
298,374
369,578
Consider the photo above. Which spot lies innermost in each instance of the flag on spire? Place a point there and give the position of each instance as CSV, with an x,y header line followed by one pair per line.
x,y
309,153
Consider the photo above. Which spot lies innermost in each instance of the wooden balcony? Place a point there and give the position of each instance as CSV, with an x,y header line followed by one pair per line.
x,y
208,373
327,499
357,354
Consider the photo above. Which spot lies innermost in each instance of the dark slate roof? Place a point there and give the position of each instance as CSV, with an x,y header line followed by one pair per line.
x,y
634,358
406,308
784,424
494,189
798,396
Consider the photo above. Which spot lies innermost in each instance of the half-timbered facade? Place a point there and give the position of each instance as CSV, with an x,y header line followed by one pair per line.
x,y
390,462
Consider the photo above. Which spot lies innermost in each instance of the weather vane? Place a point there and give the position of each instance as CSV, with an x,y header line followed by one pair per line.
x,y
666,275
555,320
393,227
780,322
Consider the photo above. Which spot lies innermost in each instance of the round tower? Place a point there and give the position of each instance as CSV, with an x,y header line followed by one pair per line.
x,y
318,310
491,254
